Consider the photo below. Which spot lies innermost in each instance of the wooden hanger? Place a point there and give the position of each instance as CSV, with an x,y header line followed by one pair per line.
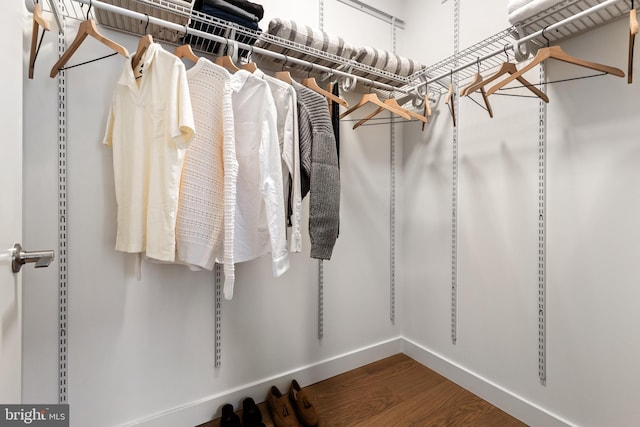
x,y
285,76
394,104
427,108
372,98
185,51
466,91
143,44
477,78
633,30
87,28
556,52
249,66
450,101
509,68
311,83
227,62
38,21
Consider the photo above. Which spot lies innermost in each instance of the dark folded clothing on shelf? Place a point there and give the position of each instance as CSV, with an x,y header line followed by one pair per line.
x,y
253,8
230,17
230,8
211,28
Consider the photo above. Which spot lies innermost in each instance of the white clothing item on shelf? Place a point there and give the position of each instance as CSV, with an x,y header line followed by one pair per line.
x,y
259,216
204,228
284,96
521,10
149,127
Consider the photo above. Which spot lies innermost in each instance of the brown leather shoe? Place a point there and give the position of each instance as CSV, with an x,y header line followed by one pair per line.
x,y
282,413
304,408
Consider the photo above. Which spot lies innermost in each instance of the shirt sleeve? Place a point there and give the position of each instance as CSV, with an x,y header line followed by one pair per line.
x,y
108,134
230,175
271,188
180,110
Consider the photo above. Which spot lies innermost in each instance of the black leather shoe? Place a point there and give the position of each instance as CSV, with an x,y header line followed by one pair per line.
x,y
229,418
251,415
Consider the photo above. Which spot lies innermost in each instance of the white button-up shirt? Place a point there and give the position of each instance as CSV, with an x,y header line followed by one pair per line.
x,y
284,96
260,215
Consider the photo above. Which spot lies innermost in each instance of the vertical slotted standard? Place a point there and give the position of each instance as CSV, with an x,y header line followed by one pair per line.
x,y
62,220
218,315
454,186
392,201
542,216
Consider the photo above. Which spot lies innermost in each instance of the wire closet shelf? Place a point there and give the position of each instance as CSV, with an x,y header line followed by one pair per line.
x,y
213,35
565,19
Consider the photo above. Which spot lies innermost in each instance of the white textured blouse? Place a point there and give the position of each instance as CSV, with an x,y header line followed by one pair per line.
x,y
204,229
149,127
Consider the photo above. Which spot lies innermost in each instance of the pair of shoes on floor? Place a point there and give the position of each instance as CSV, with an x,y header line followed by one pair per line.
x,y
294,409
251,415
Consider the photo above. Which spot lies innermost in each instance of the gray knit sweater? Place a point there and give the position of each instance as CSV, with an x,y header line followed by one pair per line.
x,y
320,175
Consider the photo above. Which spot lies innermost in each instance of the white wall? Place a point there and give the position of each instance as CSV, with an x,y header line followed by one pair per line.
x,y
145,349
592,234
140,349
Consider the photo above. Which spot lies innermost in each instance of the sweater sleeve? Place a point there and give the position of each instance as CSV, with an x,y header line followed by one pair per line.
x,y
324,199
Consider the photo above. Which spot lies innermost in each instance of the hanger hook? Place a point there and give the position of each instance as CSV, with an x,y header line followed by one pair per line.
x,y
147,24
545,37
478,64
286,59
89,10
186,31
505,52
310,70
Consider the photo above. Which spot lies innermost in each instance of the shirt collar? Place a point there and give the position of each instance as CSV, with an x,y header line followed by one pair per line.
x,y
127,78
259,73
238,79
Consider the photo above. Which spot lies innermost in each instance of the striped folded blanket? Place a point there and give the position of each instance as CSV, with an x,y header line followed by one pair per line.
x,y
303,35
312,38
387,61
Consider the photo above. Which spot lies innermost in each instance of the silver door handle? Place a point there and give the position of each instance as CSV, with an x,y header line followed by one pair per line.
x,y
21,257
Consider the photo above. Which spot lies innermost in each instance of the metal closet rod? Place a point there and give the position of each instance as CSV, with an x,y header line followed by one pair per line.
x,y
181,28
530,37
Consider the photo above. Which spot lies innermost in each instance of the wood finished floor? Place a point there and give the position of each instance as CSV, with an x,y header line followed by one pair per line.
x,y
396,391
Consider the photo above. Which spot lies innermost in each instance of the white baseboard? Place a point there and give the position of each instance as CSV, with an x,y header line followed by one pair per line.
x,y
527,412
203,410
